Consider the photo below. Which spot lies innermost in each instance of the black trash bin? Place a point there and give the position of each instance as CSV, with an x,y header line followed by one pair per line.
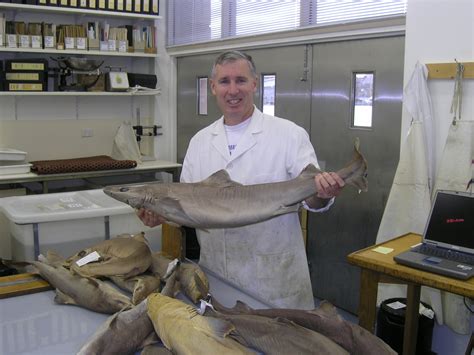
x,y
391,324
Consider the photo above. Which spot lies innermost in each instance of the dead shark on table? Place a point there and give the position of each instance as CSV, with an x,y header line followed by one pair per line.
x,y
219,202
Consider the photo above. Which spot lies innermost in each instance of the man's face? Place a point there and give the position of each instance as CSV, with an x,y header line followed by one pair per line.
x,y
234,86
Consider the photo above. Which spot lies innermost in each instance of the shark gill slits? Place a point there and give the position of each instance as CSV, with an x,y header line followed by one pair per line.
x,y
123,189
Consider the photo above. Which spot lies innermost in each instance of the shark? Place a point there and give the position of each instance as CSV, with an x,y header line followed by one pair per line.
x,y
220,202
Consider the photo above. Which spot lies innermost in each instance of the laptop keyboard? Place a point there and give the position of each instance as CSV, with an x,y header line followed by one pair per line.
x,y
455,256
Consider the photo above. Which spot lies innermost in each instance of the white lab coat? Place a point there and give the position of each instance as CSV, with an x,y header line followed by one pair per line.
x,y
268,258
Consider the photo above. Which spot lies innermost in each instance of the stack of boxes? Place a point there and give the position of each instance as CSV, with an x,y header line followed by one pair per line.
x,y
26,75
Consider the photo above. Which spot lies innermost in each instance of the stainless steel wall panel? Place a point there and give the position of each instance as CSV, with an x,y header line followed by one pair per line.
x,y
352,223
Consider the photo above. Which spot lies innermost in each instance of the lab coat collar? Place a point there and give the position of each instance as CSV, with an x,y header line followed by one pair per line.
x,y
219,138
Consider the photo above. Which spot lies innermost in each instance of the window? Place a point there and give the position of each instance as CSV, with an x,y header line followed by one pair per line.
x,y
202,96
363,96
193,21
268,93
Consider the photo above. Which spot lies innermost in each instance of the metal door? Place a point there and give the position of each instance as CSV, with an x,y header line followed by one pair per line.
x,y
292,88
353,221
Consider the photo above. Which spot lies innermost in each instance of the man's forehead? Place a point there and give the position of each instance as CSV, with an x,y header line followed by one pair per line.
x,y
241,65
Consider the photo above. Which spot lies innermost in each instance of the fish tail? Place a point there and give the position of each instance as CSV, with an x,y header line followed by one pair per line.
x,y
355,172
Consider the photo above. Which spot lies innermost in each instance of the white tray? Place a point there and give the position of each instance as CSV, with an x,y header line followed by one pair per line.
x,y
15,169
11,154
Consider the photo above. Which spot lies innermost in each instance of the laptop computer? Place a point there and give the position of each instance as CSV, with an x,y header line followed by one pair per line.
x,y
448,240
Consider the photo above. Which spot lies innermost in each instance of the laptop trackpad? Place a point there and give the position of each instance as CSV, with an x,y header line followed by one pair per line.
x,y
433,260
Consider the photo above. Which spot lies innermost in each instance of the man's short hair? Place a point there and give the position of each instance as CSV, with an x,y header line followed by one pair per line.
x,y
232,56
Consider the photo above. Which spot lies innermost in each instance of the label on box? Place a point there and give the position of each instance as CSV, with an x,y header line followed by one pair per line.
x,y
104,46
24,41
36,42
27,66
83,3
123,46
146,6
112,45
81,43
25,87
22,76
69,42
11,41
48,41
89,258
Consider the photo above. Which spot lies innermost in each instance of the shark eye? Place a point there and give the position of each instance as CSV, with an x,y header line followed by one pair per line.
x,y
124,189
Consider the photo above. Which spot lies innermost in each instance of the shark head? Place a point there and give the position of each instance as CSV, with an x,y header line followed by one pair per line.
x,y
134,196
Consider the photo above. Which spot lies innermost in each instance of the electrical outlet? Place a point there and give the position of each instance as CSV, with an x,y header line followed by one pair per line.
x,y
87,132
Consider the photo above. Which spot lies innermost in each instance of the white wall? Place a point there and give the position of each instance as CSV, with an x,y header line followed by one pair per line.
x,y
439,31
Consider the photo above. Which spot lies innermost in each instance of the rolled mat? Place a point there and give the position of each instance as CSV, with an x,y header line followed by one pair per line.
x,y
94,163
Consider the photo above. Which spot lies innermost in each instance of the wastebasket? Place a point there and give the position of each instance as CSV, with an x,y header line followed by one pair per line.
x,y
391,324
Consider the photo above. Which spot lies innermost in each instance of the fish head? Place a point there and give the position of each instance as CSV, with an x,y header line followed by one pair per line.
x,y
136,196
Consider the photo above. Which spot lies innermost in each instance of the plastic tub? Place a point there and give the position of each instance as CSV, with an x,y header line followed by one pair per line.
x,y
68,222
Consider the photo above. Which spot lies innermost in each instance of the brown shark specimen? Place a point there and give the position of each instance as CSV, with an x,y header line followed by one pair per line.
x,y
122,256
183,331
324,320
89,293
219,202
127,331
186,276
277,335
140,286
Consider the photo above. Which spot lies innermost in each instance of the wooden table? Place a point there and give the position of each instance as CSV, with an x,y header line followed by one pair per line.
x,y
377,267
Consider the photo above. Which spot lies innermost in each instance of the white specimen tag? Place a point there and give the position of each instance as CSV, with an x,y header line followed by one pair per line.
x,y
171,267
94,256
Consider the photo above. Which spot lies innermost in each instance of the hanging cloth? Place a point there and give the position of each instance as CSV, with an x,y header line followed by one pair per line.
x,y
409,203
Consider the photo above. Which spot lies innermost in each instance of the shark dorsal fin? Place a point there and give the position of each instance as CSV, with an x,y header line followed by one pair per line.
x,y
220,178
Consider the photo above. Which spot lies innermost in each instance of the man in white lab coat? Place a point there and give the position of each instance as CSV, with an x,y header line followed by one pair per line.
x,y
267,259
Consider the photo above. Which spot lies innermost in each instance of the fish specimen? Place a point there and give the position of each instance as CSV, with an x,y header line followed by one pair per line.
x,y
324,320
124,256
89,293
219,202
125,332
183,331
277,335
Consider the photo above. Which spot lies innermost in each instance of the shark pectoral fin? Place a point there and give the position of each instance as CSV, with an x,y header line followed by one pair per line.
x,y
220,178
216,326
151,339
62,298
287,209
241,307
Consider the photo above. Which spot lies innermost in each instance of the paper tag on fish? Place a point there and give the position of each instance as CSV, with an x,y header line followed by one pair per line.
x,y
171,266
89,258
396,305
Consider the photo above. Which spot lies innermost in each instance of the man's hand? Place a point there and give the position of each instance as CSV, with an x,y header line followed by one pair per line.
x,y
328,185
150,218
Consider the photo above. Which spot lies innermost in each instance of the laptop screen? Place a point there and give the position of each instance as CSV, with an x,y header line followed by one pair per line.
x,y
451,223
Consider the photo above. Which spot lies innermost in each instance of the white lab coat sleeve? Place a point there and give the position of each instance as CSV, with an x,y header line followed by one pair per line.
x,y
301,153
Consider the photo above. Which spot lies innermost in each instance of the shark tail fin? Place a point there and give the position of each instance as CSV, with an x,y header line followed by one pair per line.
x,y
355,172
